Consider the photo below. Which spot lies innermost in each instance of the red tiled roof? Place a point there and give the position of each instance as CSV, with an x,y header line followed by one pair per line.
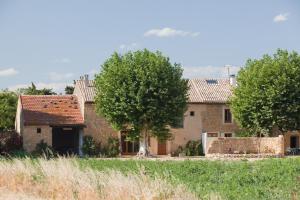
x,y
51,110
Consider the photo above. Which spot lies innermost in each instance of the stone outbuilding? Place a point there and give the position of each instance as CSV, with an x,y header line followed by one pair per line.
x,y
53,119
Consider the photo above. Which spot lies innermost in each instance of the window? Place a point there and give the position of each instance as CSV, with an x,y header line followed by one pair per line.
x,y
211,81
227,134
212,134
227,116
39,130
192,113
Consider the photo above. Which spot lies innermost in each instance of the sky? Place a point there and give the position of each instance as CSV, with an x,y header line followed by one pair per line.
x,y
52,43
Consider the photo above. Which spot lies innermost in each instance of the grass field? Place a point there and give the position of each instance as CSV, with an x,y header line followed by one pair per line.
x,y
265,179
75,178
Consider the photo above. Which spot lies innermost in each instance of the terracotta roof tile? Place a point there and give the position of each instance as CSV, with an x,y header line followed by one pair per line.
x,y
51,110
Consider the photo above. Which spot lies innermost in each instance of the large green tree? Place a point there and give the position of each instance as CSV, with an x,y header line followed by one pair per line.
x,y
267,98
8,107
143,93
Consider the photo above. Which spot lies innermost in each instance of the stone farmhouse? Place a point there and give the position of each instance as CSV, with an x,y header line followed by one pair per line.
x,y
62,120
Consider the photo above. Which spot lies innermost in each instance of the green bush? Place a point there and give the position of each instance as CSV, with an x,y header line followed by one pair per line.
x,y
43,149
193,148
10,141
89,146
113,147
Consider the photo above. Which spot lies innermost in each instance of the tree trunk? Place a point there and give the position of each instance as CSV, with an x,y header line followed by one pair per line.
x,y
144,146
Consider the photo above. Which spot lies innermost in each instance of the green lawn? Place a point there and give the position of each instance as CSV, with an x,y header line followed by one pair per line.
x,y
265,179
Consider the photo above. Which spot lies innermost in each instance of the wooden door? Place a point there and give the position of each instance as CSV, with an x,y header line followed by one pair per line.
x,y
161,148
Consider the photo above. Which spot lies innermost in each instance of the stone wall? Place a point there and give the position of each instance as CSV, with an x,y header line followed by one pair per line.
x,y
31,137
207,118
97,126
246,145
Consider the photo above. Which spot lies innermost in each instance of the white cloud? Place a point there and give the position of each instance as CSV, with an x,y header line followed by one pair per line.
x,y
8,72
62,60
128,47
169,32
281,18
58,77
209,71
57,87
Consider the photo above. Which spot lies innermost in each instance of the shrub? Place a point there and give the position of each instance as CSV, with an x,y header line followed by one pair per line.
x,y
112,149
193,148
90,147
43,149
10,141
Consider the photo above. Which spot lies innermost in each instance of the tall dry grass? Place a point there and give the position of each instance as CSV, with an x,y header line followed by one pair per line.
x,y
63,179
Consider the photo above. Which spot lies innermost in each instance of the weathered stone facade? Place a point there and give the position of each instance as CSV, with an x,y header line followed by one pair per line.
x,y
97,126
31,138
246,145
207,118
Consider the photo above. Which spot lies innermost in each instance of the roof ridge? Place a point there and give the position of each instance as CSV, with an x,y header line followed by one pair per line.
x,y
196,88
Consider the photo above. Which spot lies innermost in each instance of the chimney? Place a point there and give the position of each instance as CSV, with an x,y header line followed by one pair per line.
x,y
86,80
232,80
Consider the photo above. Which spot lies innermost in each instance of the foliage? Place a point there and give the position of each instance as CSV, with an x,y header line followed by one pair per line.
x,y
89,146
193,148
141,91
113,147
43,149
19,154
10,141
32,90
244,133
241,180
69,89
8,107
267,98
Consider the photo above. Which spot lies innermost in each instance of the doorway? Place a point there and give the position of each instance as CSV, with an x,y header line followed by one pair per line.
x,y
129,147
161,148
294,141
65,140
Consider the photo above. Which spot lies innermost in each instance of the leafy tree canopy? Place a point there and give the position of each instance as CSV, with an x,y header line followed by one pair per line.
x,y
142,91
267,98
69,89
8,107
32,90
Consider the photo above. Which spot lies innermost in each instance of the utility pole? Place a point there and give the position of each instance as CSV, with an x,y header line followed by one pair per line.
x,y
228,69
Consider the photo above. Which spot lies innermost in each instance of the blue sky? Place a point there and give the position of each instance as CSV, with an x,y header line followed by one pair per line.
x,y
54,42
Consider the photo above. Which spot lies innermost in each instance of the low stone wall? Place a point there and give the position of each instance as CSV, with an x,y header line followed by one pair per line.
x,y
246,145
